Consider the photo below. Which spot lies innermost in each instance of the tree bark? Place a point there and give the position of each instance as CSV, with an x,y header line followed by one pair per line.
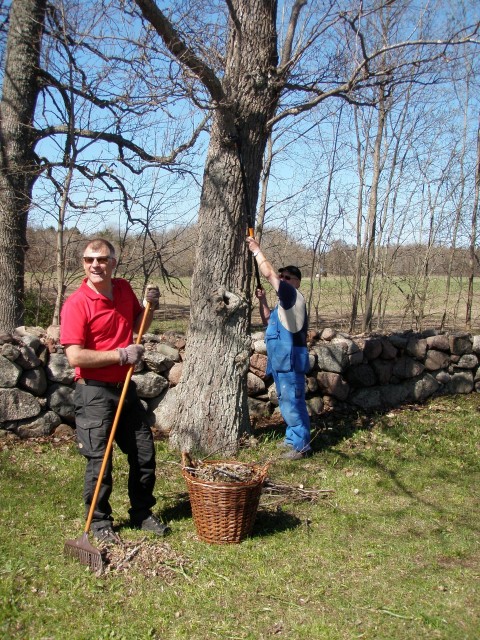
x,y
212,398
370,247
18,169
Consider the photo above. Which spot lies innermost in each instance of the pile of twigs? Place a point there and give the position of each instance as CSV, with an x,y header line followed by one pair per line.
x,y
149,558
222,470
225,472
275,493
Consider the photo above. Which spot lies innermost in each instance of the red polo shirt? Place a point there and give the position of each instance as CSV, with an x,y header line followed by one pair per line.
x,y
93,321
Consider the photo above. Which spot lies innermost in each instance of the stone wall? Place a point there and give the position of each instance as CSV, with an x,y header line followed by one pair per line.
x,y
347,373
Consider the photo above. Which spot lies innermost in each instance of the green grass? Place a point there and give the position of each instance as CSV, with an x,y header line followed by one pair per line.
x,y
392,552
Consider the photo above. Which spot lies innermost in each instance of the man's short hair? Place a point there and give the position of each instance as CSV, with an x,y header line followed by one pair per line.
x,y
97,243
295,271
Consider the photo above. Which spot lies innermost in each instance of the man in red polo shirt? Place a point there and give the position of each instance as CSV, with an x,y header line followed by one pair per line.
x,y
97,325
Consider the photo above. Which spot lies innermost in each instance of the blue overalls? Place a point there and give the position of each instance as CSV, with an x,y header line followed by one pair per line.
x,y
288,363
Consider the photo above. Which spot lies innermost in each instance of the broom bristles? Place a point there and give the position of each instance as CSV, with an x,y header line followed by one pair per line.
x,y
80,549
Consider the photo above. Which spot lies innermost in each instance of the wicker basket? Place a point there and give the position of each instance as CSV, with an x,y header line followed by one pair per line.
x,y
224,512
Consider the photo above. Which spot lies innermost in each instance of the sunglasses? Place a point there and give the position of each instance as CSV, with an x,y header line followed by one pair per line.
x,y
283,277
99,259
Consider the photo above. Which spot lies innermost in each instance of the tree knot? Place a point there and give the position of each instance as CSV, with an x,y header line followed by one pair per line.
x,y
242,362
226,303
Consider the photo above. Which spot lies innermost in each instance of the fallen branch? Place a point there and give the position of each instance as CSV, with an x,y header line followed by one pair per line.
x,y
129,556
292,493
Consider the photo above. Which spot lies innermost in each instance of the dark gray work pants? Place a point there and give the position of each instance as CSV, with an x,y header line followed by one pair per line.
x,y
95,408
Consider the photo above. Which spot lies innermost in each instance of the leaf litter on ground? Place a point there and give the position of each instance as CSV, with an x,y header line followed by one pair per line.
x,y
146,557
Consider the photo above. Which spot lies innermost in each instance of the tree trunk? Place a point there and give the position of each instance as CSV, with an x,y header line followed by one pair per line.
x,y
60,253
359,248
473,238
212,397
17,165
371,248
455,227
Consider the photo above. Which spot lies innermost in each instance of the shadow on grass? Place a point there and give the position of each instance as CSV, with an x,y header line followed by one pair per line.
x,y
441,508
269,522
326,432
337,429
330,432
179,510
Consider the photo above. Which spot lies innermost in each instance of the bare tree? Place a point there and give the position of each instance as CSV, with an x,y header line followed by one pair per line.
x,y
251,91
252,75
459,189
361,157
216,414
371,226
18,168
79,105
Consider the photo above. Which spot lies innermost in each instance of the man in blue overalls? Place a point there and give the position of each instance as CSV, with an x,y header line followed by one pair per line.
x,y
287,352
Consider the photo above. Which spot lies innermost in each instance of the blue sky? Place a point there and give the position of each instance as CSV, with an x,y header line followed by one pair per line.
x,y
430,153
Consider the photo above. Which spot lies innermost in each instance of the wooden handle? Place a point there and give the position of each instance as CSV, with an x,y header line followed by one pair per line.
x,y
257,272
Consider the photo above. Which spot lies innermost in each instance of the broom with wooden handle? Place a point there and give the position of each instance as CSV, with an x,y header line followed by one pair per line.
x,y
80,548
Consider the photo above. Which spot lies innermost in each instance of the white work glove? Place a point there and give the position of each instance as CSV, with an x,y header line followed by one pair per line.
x,y
131,354
152,295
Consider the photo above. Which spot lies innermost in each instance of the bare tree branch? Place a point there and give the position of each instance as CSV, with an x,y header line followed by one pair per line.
x,y
123,143
292,26
364,77
180,50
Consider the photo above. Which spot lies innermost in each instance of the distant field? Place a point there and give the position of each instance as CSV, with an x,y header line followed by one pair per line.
x,y
331,305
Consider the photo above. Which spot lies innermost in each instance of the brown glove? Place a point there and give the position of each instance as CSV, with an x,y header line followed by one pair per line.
x,y
152,295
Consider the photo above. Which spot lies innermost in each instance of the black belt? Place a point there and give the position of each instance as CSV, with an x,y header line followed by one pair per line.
x,y
100,383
